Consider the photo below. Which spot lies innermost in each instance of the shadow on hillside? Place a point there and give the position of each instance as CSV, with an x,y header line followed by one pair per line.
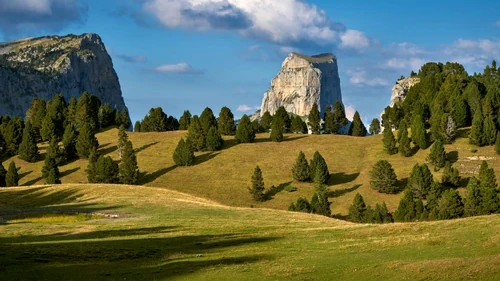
x,y
145,178
340,192
463,133
144,147
452,156
108,150
22,175
233,142
32,182
104,145
69,172
131,254
200,159
273,190
341,178
402,184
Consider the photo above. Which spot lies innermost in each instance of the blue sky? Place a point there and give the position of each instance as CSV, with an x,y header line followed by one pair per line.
x,y
189,54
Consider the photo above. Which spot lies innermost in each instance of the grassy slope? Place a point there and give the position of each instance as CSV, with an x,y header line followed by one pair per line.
x,y
162,234
224,176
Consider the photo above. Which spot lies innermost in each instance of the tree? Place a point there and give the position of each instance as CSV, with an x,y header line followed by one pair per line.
x,y
214,139
183,153
450,128
476,131
137,127
86,141
383,178
497,143
50,171
406,210
450,205
196,136
357,128
418,133
91,166
404,141
473,204
265,121
35,115
389,141
319,202
185,120
314,119
13,135
301,170
284,116
122,139
375,127
460,112
420,181
245,132
277,129
3,173
437,156
301,205
106,170
69,142
47,131
329,126
87,112
357,210
298,125
381,214
450,176
490,202
28,150
53,151
257,188
207,120
155,121
225,122
128,169
319,169
339,117
72,109
12,177
57,110
126,122
105,116
489,131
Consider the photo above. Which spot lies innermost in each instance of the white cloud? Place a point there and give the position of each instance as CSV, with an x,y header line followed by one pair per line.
x,y
246,108
349,112
282,22
359,77
181,68
475,53
405,63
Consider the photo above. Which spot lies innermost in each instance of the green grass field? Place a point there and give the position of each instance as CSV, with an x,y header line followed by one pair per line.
x,y
146,233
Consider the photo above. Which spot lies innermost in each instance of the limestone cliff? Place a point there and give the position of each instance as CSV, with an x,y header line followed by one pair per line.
x,y
46,66
302,82
400,90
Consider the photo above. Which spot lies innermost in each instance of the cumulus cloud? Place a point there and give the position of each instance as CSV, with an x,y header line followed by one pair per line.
x,y
282,22
349,112
132,59
31,17
179,68
476,53
359,77
246,108
405,63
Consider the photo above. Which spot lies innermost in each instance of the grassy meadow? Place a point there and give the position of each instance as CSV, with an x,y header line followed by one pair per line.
x,y
148,233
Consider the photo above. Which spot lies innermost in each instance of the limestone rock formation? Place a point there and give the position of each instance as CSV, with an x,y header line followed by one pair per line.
x,y
302,82
46,66
400,90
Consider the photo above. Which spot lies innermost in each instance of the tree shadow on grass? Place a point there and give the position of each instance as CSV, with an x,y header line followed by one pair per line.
x,y
108,150
401,184
104,145
22,175
68,172
340,192
233,142
463,133
273,190
200,159
341,178
452,156
145,178
144,147
33,181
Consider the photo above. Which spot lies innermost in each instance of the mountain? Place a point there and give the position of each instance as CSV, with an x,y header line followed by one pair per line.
x,y
45,66
302,82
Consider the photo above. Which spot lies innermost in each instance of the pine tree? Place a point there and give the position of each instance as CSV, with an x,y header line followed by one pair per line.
x,y
72,109
319,202
196,135
106,170
137,127
277,129
301,205
450,205
437,156
314,119
450,128
214,140
225,122
91,166
301,170
28,150
420,181
3,173
50,171
284,116
375,127
460,112
35,114
57,111
490,202
125,119
389,141
257,189
489,131
298,125
450,176
105,116
87,112
339,117
155,121
404,141
48,130
266,121
357,210
185,120
207,120
128,169
406,210
13,135
329,126
53,151
319,163
418,133
245,132
357,128
381,214
122,139
497,143
383,178
69,142
12,177
476,131
86,141
473,204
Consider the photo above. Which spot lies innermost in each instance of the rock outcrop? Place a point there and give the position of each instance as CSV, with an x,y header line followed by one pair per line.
x,y
302,82
46,66
400,90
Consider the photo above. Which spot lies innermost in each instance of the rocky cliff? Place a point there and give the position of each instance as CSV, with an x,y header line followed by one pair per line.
x,y
302,82
46,66
400,90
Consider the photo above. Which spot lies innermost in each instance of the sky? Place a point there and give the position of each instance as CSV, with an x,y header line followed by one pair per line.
x,y
190,54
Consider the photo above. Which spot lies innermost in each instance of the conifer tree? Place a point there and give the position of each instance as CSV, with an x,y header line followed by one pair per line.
x,y
301,205
122,139
207,120
404,141
87,112
314,119
3,173
106,170
48,130
183,154
319,202
476,131
301,170
69,142
473,204
86,141
490,202
357,128
50,171
266,121
460,112
2,145
449,127
298,125
381,214
319,163
339,117
155,121
497,143
214,140
450,205
285,116
375,127
137,127
91,166
406,210
245,132
185,120
450,176
13,135
196,135
489,131
128,169
420,181
126,122
54,151
277,129
72,109
225,122
383,178
57,110
389,141
437,156
256,126
418,133
105,116
257,188
12,177
329,126
35,114
357,210
28,150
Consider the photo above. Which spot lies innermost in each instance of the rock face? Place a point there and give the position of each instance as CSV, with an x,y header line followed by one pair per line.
x,y
400,90
302,82
46,66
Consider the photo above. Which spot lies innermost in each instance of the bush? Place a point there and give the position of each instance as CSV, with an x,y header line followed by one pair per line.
x,y
301,205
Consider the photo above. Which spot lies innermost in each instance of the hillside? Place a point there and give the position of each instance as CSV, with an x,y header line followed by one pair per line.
x,y
225,175
157,234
